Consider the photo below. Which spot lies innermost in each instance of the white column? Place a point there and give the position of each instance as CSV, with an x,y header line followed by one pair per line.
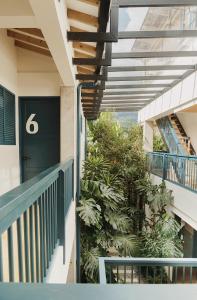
x,y
68,122
148,136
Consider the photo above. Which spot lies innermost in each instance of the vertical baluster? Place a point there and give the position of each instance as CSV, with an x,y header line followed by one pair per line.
x,y
168,274
56,209
176,271
31,231
26,240
183,274
110,274
44,233
147,274
124,274
117,274
161,268
190,274
20,252
49,217
46,228
52,217
55,213
42,259
36,241
1,260
139,269
132,274
10,254
154,274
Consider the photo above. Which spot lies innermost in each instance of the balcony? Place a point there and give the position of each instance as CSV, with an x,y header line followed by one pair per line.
x,y
178,169
33,224
118,270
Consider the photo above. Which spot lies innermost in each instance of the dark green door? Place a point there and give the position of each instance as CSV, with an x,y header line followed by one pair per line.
x,y
40,134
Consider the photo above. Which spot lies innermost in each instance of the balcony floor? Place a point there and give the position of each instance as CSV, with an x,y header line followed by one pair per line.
x,y
96,292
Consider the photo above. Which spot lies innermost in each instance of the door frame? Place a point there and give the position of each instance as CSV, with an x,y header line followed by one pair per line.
x,y
21,99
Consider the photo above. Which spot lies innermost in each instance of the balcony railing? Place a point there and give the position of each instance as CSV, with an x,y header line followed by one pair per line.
x,y
32,224
178,169
147,270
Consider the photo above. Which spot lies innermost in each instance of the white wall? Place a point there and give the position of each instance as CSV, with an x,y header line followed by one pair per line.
x,y
181,96
189,123
184,204
9,155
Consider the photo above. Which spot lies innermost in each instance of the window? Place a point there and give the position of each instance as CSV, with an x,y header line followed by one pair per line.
x,y
7,117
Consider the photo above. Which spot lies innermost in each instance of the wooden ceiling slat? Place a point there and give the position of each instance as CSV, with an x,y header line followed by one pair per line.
x,y
32,48
88,68
91,2
75,29
89,91
84,47
82,70
82,17
27,38
78,54
33,31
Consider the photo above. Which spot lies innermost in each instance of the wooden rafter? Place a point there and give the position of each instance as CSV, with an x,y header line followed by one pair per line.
x,y
84,48
91,2
33,31
28,39
82,70
78,54
75,29
82,17
88,91
88,68
32,48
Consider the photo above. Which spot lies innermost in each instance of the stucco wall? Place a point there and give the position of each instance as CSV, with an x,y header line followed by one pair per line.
x,y
181,96
24,73
9,155
184,204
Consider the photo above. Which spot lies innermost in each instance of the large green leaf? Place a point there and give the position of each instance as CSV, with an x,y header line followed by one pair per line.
x,y
90,212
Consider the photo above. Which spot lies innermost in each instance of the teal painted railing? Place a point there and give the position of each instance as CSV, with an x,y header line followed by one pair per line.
x,y
32,224
178,169
170,137
147,270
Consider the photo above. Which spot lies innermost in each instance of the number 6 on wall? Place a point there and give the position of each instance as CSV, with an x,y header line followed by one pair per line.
x,y
32,126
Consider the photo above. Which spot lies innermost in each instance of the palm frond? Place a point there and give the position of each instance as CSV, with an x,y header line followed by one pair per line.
x,y
127,245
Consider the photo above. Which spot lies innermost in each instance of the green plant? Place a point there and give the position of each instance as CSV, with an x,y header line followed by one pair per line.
x,y
158,144
115,190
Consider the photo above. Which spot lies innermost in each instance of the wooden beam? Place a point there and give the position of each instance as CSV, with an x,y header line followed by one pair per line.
x,y
85,48
75,29
88,91
78,54
33,31
91,2
82,17
82,70
87,68
32,48
27,39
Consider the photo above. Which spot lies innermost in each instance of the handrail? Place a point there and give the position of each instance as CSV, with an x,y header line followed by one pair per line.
x,y
147,270
179,169
32,216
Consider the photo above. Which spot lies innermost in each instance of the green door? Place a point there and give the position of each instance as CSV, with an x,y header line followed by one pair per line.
x,y
39,134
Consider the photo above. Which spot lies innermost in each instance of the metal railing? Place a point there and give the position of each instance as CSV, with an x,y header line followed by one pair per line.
x,y
178,169
147,270
32,224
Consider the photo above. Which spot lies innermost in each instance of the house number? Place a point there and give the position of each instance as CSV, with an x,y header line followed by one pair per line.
x,y
32,126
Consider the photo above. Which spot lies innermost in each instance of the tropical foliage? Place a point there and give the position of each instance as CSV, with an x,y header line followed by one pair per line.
x,y
115,190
